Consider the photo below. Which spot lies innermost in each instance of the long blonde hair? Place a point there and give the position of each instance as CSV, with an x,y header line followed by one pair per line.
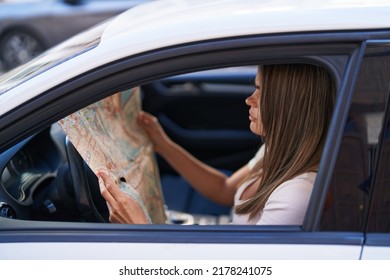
x,y
296,105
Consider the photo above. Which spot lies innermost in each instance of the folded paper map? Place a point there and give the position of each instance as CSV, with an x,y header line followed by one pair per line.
x,y
107,137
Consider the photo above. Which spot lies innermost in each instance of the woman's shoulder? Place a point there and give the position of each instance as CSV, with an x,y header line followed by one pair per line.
x,y
297,186
288,203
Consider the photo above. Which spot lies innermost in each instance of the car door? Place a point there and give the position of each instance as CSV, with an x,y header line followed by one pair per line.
x,y
377,243
58,240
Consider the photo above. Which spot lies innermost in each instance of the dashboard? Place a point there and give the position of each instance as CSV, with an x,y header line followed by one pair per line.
x,y
23,174
36,182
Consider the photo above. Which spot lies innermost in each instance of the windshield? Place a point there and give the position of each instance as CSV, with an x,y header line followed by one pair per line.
x,y
76,45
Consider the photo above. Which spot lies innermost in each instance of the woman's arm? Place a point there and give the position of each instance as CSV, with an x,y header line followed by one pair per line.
x,y
207,180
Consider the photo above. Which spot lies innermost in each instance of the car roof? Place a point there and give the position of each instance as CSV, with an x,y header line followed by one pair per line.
x,y
172,22
210,18
165,23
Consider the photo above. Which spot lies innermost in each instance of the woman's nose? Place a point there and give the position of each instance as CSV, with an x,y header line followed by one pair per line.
x,y
249,100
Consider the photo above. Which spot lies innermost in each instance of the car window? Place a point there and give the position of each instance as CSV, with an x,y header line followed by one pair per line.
x,y
47,175
379,212
348,198
379,216
56,184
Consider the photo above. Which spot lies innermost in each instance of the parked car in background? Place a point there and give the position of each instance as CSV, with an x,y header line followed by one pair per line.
x,y
29,27
193,63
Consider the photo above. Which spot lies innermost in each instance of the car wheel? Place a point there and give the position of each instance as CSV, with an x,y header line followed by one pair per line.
x,y
18,47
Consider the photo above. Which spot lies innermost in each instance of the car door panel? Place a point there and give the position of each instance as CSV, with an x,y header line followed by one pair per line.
x,y
376,80
376,246
89,241
137,251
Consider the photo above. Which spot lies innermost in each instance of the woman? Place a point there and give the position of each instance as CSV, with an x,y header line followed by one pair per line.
x,y
290,109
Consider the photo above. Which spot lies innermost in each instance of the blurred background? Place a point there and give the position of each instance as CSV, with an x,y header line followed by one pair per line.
x,y
29,27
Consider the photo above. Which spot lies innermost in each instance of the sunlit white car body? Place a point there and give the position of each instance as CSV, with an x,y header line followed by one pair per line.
x,y
166,23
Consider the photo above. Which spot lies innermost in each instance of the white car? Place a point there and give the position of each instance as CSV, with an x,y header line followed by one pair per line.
x,y
194,62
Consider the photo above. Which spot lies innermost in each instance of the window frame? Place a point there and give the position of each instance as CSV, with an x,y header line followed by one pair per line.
x,y
144,68
378,238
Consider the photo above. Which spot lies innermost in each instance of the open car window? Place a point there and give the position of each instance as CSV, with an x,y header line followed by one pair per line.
x,y
51,175
105,135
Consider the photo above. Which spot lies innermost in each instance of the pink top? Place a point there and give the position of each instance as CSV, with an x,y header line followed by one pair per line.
x,y
286,205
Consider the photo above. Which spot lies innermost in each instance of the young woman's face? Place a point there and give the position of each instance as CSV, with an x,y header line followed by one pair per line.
x,y
253,101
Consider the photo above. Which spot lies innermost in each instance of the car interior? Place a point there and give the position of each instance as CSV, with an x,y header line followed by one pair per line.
x,y
204,112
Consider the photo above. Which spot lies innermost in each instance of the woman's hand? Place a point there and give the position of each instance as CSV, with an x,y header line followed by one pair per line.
x,y
153,129
123,208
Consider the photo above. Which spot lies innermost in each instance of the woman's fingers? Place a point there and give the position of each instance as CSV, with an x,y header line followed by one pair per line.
x,y
108,187
111,193
145,120
152,128
122,207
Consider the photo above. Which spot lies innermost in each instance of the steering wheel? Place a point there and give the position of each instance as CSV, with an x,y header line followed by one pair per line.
x,y
86,187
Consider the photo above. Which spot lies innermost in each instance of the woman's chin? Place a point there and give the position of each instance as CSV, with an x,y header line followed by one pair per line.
x,y
253,127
